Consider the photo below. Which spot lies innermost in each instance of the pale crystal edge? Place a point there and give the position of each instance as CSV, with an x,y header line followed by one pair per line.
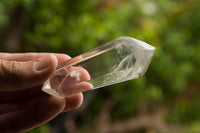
x,y
148,64
130,78
46,88
114,42
138,42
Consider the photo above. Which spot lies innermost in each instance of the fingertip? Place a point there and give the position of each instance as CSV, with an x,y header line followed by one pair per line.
x,y
73,102
46,63
42,68
53,61
62,57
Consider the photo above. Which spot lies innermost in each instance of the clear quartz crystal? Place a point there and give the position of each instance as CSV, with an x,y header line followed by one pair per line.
x,y
120,60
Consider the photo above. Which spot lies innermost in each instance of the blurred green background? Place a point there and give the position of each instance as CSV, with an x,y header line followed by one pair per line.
x,y
165,100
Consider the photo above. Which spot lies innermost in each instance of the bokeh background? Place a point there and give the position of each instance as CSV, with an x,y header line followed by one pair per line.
x,y
165,100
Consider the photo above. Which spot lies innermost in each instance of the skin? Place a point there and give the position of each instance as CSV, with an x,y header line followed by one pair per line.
x,y
22,103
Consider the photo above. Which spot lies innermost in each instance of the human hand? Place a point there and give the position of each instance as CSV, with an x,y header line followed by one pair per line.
x,y
68,79
22,103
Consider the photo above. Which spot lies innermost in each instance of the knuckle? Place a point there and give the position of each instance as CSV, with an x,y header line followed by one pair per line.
x,y
9,68
10,75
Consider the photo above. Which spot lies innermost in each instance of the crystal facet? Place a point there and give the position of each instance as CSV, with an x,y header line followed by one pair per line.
x,y
120,60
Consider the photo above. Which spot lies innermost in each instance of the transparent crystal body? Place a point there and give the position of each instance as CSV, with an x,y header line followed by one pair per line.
x,y
120,60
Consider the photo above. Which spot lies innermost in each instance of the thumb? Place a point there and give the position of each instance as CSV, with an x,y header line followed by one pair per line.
x,y
15,75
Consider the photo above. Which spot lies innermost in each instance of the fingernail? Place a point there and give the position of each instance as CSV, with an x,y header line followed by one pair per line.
x,y
42,64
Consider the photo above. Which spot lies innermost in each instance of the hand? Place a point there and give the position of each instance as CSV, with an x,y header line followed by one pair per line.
x,y
70,80
22,103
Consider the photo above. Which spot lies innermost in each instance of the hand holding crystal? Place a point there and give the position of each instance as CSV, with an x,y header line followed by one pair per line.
x,y
22,103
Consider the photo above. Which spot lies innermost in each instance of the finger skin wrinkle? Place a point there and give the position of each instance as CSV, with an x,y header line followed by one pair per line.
x,y
10,76
10,68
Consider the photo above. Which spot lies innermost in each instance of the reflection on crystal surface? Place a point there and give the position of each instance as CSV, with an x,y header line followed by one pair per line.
x,y
122,59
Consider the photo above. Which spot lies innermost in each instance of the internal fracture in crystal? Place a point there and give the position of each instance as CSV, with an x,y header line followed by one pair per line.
x,y
120,60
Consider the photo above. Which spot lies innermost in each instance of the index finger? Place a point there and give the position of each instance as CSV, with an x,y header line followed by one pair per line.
x,y
23,57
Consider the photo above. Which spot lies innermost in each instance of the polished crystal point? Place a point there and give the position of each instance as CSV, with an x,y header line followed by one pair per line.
x,y
120,60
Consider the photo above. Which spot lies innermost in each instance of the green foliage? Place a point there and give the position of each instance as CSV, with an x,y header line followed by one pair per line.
x,y
42,129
